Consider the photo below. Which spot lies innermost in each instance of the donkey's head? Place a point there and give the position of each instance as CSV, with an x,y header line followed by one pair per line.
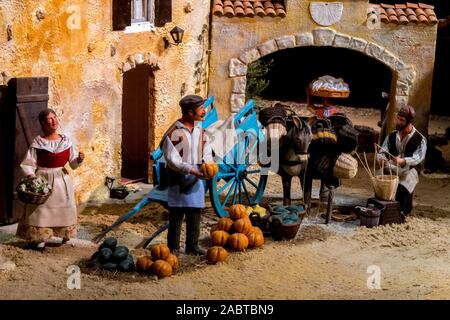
x,y
299,137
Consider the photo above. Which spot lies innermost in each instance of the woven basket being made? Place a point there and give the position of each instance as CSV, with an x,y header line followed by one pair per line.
x,y
345,167
385,186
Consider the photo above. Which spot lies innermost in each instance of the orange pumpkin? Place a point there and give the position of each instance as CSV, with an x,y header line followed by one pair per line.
x,y
161,269
216,254
143,263
219,238
255,240
225,224
258,230
242,225
237,211
209,170
238,241
213,228
160,252
173,261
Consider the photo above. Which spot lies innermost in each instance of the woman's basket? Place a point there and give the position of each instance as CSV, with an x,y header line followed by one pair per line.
x,y
345,167
385,186
34,190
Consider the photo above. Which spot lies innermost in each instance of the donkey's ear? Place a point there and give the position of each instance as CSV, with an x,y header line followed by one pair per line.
x,y
297,122
311,120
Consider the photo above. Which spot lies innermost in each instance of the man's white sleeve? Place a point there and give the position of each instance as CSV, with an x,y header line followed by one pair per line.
x,y
173,158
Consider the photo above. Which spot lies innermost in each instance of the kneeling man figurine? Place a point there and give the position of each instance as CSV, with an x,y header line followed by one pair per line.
x,y
404,148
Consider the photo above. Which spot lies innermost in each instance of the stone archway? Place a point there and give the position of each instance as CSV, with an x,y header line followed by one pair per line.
x,y
140,58
404,75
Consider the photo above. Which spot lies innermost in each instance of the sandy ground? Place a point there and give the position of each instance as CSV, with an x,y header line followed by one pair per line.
x,y
322,262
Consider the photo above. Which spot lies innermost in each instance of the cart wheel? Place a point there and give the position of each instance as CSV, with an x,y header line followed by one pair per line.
x,y
239,180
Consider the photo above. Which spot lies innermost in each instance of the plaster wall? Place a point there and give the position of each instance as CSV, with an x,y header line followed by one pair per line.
x,y
73,44
408,50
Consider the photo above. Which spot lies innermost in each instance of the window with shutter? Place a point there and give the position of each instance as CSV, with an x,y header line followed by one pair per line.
x,y
141,15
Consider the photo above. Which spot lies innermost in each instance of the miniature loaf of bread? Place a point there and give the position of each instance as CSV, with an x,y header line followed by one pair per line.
x,y
329,84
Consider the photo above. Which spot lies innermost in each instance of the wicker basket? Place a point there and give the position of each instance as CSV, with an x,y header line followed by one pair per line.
x,y
385,186
282,231
32,197
345,167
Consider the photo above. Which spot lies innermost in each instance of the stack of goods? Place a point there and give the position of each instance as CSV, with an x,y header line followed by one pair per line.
x,y
235,232
346,134
112,257
275,114
324,138
160,263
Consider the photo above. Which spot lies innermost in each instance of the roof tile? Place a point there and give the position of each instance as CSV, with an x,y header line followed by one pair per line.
x,y
229,12
238,4
218,10
280,12
249,8
249,12
400,12
405,13
425,6
260,12
403,20
412,5
270,12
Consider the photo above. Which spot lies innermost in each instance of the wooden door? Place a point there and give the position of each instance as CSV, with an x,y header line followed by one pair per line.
x,y
26,97
137,101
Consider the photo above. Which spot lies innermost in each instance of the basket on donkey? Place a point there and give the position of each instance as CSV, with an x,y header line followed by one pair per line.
x,y
34,190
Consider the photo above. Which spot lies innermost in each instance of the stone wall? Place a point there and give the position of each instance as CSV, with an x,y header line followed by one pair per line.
x,y
73,44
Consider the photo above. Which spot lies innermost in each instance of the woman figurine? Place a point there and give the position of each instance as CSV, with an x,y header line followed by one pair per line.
x,y
46,157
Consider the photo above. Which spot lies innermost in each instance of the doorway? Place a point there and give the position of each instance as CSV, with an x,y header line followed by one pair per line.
x,y
137,123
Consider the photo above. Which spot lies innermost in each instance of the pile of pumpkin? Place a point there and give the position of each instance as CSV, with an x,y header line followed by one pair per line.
x,y
235,232
160,263
112,257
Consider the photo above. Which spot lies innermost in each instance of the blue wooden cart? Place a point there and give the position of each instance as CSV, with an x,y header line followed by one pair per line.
x,y
239,180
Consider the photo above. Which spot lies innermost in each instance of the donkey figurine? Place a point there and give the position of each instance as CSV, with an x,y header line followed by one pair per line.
x,y
294,138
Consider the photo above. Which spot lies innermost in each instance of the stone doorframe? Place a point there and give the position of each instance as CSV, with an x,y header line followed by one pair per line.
x,y
140,58
402,74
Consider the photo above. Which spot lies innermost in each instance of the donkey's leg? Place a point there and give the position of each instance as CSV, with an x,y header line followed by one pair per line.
x,y
286,180
307,180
